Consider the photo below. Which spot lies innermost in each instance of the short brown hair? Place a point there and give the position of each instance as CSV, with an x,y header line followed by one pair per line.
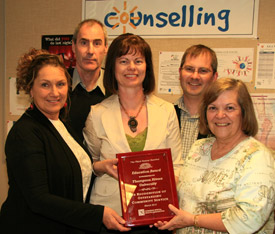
x,y
122,45
249,120
90,22
197,50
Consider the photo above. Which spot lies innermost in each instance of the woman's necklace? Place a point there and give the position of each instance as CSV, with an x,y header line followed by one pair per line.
x,y
132,123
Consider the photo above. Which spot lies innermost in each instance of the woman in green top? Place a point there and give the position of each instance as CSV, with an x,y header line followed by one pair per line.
x,y
132,118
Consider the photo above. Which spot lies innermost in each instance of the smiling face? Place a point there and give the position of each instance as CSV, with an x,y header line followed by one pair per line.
x,y
224,116
49,91
90,48
130,70
196,75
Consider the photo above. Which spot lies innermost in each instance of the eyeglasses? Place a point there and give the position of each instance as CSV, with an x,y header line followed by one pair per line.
x,y
201,70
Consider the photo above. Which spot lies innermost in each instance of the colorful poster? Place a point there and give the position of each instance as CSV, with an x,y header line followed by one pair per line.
x,y
60,45
235,63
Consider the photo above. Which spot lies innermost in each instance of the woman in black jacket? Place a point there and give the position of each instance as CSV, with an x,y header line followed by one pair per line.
x,y
49,169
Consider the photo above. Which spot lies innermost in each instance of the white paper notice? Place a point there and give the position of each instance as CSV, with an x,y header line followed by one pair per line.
x,y
235,63
265,77
264,105
168,80
19,101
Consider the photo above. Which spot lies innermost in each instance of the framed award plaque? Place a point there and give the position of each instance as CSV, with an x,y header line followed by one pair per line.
x,y
147,186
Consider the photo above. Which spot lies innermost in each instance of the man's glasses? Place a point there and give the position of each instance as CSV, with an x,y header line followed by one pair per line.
x,y
200,70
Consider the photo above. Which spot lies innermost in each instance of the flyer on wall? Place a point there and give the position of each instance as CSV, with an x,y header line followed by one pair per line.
x,y
264,105
60,45
265,76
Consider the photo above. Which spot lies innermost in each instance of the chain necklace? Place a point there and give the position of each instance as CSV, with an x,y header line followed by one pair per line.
x,y
132,123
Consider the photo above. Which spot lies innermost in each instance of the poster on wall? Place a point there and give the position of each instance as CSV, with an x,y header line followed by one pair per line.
x,y
264,105
235,63
176,18
265,77
168,80
60,45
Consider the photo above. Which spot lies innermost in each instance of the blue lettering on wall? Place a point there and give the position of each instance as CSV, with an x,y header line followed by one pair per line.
x,y
148,18
188,17
161,17
139,21
106,19
224,15
191,10
208,17
183,20
174,17
199,16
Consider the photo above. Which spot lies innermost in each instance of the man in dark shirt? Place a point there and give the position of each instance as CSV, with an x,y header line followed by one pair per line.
x,y
90,47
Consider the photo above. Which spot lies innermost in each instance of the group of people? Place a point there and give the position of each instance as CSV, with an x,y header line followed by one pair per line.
x,y
61,152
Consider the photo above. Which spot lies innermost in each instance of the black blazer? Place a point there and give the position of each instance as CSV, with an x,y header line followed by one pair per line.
x,y
45,193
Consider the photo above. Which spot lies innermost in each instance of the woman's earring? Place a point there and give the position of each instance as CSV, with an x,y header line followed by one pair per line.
x,y
31,105
65,105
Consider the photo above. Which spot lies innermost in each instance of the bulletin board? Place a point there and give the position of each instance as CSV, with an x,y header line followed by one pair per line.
x,y
49,21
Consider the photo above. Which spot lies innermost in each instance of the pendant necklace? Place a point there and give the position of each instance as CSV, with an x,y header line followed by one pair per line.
x,y
132,123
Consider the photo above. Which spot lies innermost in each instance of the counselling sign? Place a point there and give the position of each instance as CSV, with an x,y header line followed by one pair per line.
x,y
176,18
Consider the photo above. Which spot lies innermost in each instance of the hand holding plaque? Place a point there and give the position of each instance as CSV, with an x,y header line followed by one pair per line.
x,y
147,186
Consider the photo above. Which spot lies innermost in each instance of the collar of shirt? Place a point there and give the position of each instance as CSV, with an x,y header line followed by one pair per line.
x,y
76,79
184,111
